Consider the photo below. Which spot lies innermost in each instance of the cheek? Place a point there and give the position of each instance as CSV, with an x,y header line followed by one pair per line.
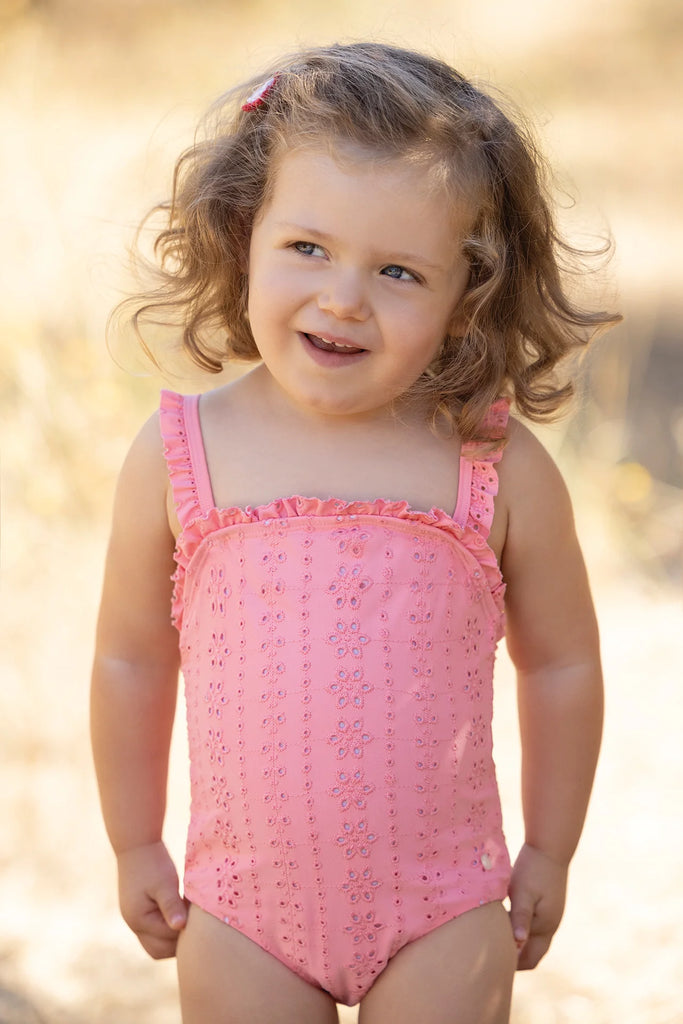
x,y
273,285
266,293
412,358
422,337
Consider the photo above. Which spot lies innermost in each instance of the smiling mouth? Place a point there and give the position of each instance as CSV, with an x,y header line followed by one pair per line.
x,y
333,346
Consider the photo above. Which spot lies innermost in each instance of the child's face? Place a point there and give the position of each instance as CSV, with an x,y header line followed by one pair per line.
x,y
355,277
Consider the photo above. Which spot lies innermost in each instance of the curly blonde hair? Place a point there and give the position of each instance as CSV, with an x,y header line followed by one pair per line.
x,y
396,103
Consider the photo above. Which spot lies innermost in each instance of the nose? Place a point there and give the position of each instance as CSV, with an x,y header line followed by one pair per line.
x,y
343,295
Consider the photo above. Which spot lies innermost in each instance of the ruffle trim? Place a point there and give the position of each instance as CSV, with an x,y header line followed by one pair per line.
x,y
178,458
197,525
472,536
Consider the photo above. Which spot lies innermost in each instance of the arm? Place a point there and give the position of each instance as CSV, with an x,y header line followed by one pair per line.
x,y
553,641
134,685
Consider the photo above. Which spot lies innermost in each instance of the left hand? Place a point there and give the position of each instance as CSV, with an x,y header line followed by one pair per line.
x,y
538,889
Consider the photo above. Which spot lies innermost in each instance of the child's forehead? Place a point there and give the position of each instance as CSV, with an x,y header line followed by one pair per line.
x,y
349,189
420,164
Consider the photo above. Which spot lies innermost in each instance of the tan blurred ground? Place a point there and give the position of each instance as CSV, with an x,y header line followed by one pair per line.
x,y
95,100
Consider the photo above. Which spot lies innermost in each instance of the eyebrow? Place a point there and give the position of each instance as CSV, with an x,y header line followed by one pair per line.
x,y
397,257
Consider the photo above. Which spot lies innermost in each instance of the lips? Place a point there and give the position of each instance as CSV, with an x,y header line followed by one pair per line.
x,y
333,345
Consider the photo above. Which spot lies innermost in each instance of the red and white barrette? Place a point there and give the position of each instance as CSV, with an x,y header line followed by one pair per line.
x,y
258,96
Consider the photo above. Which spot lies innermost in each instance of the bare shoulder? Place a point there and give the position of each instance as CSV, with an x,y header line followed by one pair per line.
x,y
533,496
527,468
143,482
134,613
529,485
548,602
146,450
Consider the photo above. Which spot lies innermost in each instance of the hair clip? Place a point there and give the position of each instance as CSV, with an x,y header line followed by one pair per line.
x,y
258,96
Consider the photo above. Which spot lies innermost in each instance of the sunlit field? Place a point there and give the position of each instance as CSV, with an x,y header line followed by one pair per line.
x,y
96,100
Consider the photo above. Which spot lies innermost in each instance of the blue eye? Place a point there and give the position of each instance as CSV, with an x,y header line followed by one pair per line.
x,y
307,248
398,273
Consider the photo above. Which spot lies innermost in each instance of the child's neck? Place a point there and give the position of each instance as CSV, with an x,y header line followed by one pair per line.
x,y
408,413
259,450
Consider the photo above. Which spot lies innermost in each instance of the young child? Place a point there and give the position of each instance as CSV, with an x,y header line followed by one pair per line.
x,y
374,233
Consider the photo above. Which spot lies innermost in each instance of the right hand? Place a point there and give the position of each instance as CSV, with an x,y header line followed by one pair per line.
x,y
149,897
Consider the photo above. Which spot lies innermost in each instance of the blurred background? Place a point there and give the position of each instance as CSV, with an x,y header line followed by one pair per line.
x,y
97,97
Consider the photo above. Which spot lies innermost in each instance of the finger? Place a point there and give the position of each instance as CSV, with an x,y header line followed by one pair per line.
x,y
159,948
155,935
521,915
173,908
533,952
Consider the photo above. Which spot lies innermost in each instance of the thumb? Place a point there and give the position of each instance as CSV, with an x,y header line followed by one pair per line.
x,y
173,908
521,914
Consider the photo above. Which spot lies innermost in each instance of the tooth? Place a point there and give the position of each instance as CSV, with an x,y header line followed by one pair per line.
x,y
333,346
337,344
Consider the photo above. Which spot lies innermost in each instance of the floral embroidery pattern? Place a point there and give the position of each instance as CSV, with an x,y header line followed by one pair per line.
x,y
337,661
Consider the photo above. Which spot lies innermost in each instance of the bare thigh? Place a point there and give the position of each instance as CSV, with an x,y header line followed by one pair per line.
x,y
225,978
461,973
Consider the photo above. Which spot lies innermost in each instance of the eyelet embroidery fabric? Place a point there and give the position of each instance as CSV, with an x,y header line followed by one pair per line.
x,y
338,661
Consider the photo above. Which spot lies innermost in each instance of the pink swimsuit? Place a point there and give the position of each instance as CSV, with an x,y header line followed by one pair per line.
x,y
338,661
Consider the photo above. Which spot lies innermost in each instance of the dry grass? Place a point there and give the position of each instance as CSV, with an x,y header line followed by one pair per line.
x,y
83,90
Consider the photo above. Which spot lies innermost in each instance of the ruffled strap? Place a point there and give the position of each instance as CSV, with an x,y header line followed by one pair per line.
x,y
478,481
184,451
478,487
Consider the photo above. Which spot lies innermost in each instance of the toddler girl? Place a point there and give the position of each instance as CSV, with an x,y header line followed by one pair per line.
x,y
327,548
